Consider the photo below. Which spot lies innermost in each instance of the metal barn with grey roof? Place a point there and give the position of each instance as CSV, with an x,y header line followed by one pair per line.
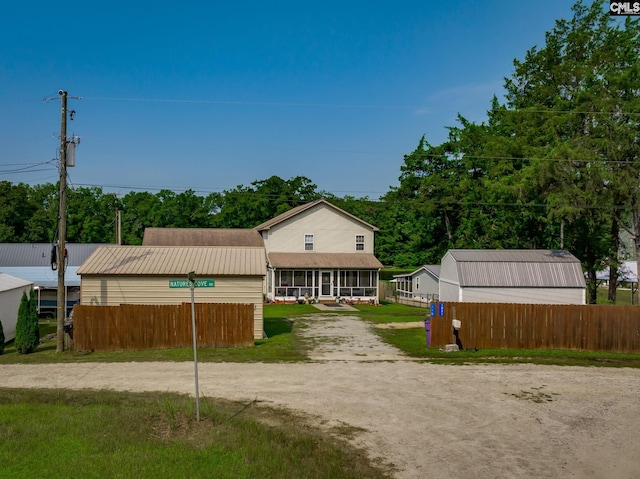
x,y
115,275
512,276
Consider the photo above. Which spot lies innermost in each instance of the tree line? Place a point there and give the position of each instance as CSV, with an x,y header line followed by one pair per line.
x,y
554,166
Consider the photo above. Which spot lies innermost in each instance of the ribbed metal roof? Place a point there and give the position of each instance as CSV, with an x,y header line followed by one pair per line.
x,y
8,282
324,260
201,237
175,260
518,268
39,254
43,276
513,255
299,209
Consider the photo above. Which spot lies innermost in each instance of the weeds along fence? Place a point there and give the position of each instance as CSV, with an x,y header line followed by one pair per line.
x,y
539,326
138,327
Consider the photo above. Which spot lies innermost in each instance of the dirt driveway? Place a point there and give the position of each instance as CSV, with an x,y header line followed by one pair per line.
x,y
429,421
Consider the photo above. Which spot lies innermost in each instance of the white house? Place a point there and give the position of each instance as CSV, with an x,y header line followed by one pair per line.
x,y
512,276
420,285
318,250
11,290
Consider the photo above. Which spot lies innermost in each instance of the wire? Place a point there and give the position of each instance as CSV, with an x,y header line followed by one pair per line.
x,y
26,169
258,103
339,105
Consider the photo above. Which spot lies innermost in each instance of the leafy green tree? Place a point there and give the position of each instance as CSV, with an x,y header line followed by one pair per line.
x,y
91,216
139,211
248,206
576,102
16,208
27,328
41,226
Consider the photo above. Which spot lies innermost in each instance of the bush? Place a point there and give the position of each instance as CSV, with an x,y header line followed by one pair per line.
x,y
1,339
27,328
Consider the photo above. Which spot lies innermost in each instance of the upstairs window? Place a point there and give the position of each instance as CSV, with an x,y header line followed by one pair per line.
x,y
359,242
308,242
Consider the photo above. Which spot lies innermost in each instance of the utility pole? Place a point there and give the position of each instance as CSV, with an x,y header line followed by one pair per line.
x,y
62,227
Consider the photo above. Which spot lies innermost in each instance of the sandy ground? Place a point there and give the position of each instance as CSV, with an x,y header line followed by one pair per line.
x,y
428,421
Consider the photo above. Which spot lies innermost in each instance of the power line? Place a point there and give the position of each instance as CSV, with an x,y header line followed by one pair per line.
x,y
259,103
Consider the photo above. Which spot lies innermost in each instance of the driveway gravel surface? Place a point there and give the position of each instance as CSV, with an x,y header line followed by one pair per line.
x,y
424,420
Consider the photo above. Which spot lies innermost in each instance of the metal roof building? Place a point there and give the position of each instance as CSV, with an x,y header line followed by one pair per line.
x,y
11,289
419,285
512,276
201,237
39,254
115,275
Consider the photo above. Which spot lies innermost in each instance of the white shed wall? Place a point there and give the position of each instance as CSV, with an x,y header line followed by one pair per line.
x,y
523,295
332,232
9,306
449,291
115,290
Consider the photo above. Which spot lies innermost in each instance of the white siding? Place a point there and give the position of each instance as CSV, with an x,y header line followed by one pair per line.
x,y
332,232
449,291
9,305
115,290
427,285
523,295
449,269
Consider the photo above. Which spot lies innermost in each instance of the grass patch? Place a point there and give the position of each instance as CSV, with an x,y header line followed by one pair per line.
x,y
61,433
391,313
413,342
279,346
284,345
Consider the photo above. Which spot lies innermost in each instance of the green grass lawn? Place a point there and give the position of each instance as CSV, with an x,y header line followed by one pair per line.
x,y
95,434
104,434
413,342
283,345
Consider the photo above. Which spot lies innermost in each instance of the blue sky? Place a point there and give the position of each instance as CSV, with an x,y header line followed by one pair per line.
x,y
212,95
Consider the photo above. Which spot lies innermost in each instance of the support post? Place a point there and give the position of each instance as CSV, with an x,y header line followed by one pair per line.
x,y
62,227
192,280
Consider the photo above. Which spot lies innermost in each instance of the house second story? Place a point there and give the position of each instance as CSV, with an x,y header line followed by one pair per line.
x,y
317,227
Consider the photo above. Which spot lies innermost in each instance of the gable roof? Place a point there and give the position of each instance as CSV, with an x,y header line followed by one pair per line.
x,y
518,268
176,260
39,254
299,209
8,282
43,276
202,237
432,269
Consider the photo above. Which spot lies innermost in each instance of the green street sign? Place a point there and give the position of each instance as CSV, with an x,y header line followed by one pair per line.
x,y
185,283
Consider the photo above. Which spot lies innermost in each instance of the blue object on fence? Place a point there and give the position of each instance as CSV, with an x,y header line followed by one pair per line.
x,y
433,309
427,328
441,309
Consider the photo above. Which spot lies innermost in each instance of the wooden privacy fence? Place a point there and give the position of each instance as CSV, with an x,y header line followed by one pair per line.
x,y
136,327
539,326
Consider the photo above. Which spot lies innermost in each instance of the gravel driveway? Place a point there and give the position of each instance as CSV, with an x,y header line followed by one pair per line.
x,y
428,421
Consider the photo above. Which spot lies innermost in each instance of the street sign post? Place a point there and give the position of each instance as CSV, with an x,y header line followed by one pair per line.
x,y
198,283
